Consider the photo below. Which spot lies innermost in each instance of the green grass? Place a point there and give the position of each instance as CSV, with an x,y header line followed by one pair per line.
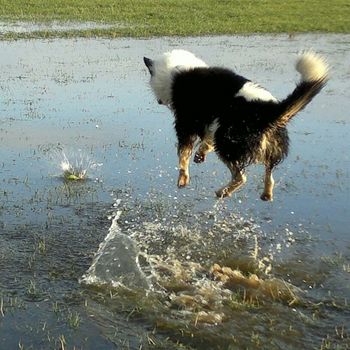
x,y
145,18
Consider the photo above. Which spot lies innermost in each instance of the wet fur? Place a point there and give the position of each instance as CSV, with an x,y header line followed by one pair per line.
x,y
238,119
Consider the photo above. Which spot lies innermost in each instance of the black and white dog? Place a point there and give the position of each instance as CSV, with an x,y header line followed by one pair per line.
x,y
230,114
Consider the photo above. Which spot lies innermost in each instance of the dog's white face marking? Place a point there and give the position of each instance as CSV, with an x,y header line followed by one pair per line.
x,y
251,91
162,71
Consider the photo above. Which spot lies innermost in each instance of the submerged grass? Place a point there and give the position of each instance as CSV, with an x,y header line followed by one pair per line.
x,y
145,18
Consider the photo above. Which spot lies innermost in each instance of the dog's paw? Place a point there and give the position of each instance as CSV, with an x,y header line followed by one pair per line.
x,y
266,197
183,180
223,193
199,157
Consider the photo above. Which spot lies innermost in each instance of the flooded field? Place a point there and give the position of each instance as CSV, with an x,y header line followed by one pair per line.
x,y
100,250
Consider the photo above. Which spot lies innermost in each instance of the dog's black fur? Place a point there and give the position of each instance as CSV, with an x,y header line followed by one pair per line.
x,y
242,123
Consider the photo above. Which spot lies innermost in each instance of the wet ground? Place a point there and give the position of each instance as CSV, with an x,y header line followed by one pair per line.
x,y
124,259
20,27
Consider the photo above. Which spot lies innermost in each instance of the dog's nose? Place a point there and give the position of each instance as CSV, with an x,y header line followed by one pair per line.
x,y
160,102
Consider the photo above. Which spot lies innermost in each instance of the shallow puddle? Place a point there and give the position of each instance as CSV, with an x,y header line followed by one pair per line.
x,y
54,26
119,257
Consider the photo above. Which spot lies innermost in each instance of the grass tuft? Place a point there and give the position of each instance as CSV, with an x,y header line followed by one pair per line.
x,y
73,320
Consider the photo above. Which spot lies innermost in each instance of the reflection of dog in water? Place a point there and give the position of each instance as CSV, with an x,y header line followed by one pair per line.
x,y
237,118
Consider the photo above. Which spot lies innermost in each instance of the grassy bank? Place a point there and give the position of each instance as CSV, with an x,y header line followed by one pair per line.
x,y
144,18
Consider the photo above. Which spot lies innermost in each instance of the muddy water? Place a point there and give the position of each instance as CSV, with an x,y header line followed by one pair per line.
x,y
123,259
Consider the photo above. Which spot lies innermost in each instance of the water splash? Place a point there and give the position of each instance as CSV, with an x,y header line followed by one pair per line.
x,y
116,262
76,165
197,276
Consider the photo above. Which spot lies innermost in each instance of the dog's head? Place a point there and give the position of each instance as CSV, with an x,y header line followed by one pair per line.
x,y
162,71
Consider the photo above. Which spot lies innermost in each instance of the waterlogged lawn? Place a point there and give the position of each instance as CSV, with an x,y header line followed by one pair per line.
x,y
145,18
174,269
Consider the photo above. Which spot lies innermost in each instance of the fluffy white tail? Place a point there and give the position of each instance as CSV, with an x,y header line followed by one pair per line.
x,y
312,67
314,75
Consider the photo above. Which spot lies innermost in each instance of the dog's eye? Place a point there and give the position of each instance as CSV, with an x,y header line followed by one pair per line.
x,y
160,102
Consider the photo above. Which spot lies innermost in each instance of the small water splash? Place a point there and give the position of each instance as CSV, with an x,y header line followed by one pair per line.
x,y
255,288
76,165
116,262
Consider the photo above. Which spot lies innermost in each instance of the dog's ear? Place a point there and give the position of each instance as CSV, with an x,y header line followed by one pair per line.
x,y
149,64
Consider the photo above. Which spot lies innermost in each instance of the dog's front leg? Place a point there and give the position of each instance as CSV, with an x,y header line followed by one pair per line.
x,y
184,152
267,195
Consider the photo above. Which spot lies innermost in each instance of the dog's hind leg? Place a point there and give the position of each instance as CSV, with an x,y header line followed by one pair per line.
x,y
184,152
204,148
238,180
207,142
267,195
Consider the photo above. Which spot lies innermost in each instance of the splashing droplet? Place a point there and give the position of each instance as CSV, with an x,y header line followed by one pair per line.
x,y
76,166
